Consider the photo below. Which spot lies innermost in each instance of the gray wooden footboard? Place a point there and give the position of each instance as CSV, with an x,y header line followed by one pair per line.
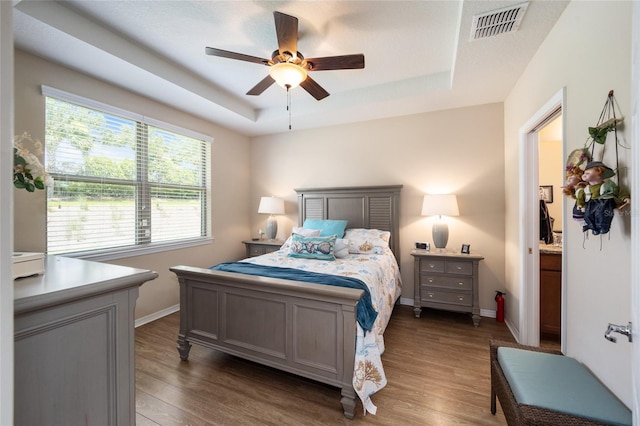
x,y
302,328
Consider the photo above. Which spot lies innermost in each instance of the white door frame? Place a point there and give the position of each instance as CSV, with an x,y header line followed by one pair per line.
x,y
6,212
635,211
529,201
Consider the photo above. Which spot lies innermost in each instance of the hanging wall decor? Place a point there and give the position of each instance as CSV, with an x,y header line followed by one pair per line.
x,y
595,186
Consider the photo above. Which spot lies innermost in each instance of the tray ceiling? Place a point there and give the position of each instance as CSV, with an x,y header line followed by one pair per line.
x,y
418,54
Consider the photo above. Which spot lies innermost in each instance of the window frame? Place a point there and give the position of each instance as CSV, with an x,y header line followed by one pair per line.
x,y
146,248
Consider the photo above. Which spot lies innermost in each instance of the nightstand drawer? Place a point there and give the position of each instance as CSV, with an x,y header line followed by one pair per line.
x,y
454,283
270,249
463,268
462,299
260,247
255,250
432,265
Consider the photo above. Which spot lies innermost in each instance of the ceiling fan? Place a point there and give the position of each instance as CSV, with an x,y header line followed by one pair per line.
x,y
287,66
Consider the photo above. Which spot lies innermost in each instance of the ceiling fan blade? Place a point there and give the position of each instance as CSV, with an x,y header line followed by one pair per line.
x,y
345,62
287,32
232,55
314,88
264,84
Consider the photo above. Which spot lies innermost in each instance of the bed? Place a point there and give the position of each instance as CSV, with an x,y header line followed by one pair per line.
x,y
305,328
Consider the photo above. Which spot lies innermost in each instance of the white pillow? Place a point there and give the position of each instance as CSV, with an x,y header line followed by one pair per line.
x,y
341,248
367,241
306,232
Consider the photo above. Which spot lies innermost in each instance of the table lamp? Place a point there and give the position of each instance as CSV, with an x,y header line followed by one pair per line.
x,y
440,205
271,206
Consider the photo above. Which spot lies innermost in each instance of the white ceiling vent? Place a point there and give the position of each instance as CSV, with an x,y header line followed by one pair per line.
x,y
505,20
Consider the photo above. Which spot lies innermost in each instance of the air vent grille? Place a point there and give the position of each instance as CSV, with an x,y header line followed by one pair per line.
x,y
506,20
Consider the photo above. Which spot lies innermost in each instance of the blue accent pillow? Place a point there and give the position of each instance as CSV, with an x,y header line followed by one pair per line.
x,y
320,248
327,227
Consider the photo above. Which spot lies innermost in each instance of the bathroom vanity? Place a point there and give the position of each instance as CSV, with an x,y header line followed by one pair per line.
x,y
550,290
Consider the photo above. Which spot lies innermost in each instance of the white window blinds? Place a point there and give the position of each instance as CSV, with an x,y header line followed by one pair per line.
x,y
121,180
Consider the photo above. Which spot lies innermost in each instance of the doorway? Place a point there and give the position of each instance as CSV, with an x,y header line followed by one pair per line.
x,y
550,182
530,183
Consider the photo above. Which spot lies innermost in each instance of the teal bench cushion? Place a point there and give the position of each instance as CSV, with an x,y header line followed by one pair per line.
x,y
560,383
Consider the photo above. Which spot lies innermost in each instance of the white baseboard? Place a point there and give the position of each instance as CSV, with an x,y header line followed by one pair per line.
x,y
157,315
513,331
487,313
406,301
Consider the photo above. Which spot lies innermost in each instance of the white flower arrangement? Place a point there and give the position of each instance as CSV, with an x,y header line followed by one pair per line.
x,y
28,171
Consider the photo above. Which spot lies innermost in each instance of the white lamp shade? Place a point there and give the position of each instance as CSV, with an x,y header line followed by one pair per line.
x,y
440,205
271,205
287,74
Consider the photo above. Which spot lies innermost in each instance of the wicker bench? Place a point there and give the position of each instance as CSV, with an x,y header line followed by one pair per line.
x,y
553,389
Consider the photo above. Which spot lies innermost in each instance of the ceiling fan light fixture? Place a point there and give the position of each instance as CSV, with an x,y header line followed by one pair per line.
x,y
287,74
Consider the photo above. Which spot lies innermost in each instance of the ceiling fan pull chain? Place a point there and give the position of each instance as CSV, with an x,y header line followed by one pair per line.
x,y
289,103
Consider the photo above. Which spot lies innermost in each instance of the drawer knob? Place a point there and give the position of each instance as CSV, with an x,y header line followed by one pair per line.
x,y
460,283
458,267
431,265
461,298
430,280
431,295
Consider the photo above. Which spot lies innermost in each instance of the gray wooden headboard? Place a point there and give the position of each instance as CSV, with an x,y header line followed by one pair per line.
x,y
371,207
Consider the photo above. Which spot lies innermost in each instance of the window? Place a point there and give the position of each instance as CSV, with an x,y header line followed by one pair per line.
x,y
122,182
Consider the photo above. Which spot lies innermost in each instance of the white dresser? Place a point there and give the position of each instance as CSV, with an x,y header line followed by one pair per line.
x,y
74,344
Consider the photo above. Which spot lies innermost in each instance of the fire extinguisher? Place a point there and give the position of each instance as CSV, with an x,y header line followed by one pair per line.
x,y
500,306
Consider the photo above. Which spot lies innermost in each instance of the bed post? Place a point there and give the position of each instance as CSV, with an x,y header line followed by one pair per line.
x,y
348,393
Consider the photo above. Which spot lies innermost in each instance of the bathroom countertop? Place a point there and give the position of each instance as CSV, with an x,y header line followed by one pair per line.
x,y
550,249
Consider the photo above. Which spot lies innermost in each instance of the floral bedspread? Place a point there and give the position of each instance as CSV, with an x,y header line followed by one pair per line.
x,y
381,274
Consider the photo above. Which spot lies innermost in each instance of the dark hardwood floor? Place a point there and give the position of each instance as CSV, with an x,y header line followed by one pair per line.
x,y
437,369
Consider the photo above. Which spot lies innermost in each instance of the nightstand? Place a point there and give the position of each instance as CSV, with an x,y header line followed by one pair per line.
x,y
447,281
258,247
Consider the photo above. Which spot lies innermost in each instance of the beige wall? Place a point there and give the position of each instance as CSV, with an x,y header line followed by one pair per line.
x,y
229,169
415,151
583,54
457,151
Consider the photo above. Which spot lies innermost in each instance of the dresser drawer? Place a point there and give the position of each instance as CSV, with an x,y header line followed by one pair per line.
x,y
432,265
449,282
462,267
452,298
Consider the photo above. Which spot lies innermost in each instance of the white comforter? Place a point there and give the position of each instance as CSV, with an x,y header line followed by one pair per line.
x,y
381,274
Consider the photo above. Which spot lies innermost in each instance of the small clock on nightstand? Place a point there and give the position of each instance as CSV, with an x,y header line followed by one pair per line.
x,y
259,247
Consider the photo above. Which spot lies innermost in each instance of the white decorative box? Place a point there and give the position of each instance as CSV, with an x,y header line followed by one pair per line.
x,y
26,264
